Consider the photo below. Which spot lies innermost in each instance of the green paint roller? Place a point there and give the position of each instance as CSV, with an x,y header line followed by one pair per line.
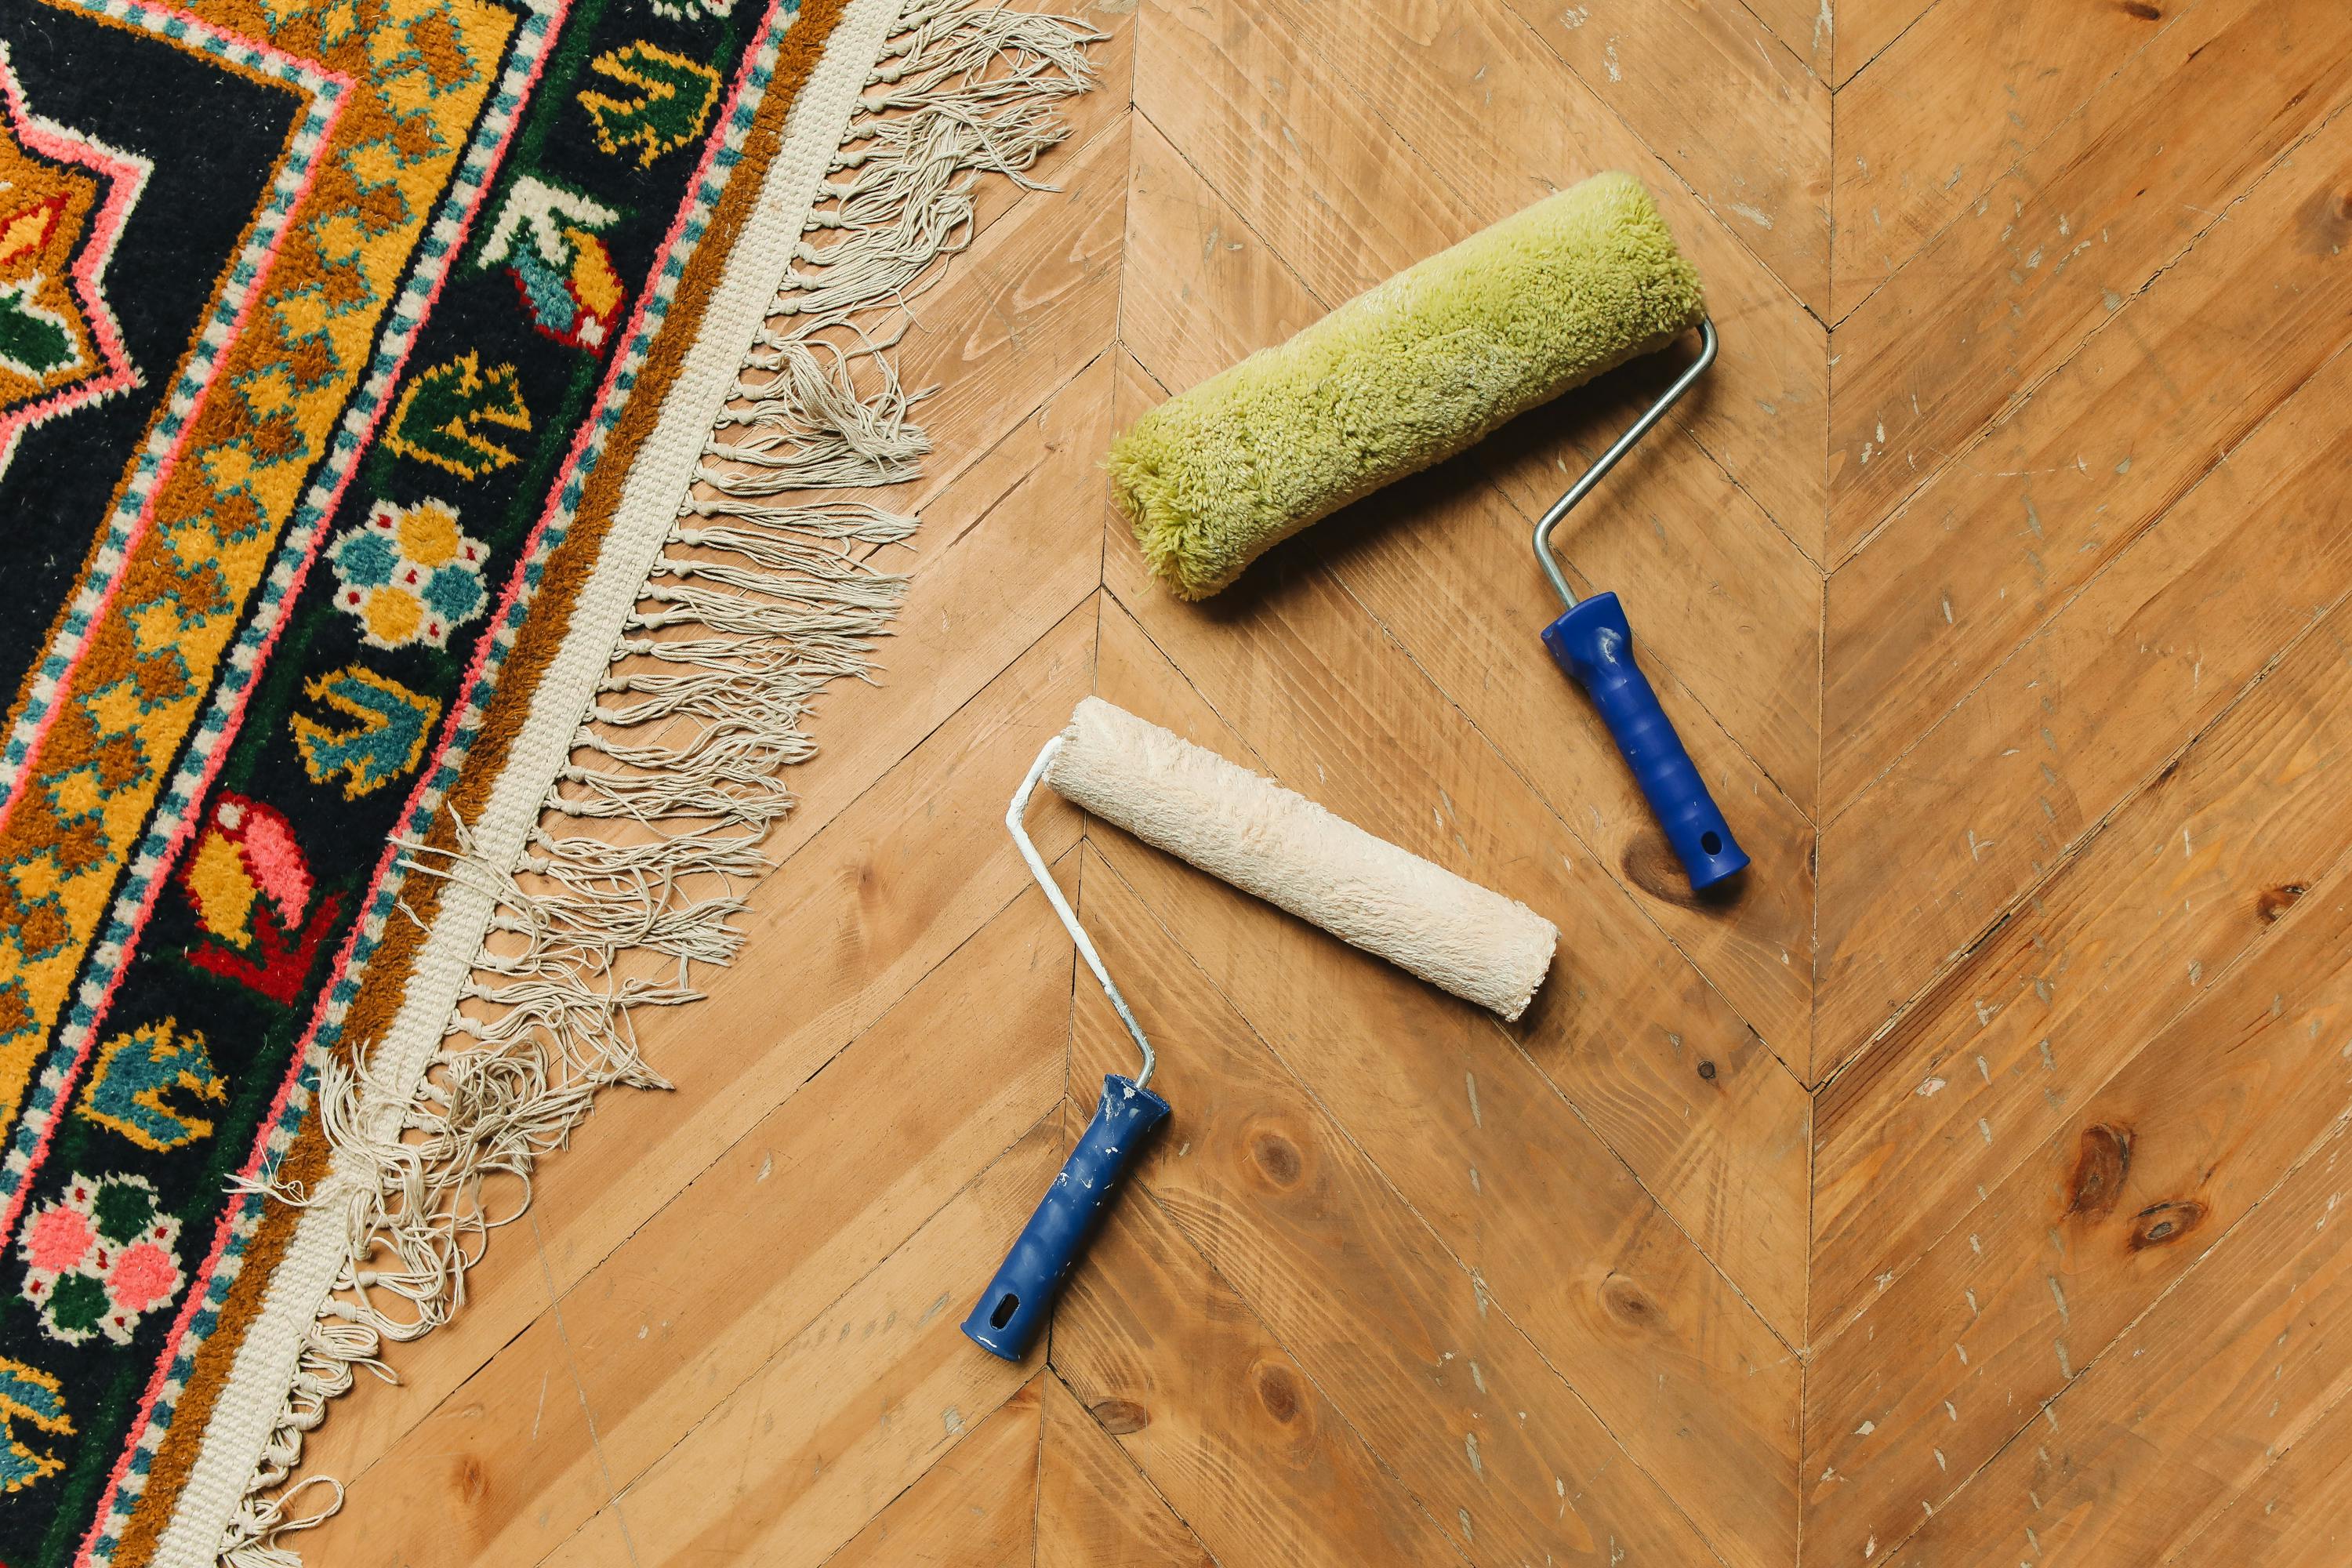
x,y
1413,371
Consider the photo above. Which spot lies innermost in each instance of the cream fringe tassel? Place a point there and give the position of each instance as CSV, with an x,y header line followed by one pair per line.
x,y
757,605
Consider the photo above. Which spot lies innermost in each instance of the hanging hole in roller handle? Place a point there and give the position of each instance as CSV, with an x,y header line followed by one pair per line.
x,y
1711,841
1004,1311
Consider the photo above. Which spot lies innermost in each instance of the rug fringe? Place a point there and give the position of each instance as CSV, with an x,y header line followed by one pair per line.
x,y
754,608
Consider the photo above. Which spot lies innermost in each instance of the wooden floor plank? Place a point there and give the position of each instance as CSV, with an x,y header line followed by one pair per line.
x,y
2197,869
1805,29
503,1472
1095,1510
1197,1395
923,861
2062,485
1700,1112
1203,78
602,1542
1993,797
1865,29
1184,1388
1937,1371
1724,605
2296,1514
2188,1408
973,1509
797,1459
1189,1388
1952,103
748,1253
1404,1340
1740,118
2060,241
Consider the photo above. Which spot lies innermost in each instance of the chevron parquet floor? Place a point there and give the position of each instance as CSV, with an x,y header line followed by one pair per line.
x,y
1963,1192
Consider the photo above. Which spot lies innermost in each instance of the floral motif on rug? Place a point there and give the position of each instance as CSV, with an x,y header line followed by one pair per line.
x,y
328,331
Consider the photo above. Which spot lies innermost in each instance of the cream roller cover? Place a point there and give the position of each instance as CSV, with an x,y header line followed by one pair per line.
x,y
1289,851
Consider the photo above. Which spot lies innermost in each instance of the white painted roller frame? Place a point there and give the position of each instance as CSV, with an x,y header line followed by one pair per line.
x,y
1285,849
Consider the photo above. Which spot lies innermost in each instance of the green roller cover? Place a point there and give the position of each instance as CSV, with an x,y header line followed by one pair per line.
x,y
1403,375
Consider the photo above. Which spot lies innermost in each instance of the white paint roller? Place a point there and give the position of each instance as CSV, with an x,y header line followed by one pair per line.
x,y
1289,851
1283,848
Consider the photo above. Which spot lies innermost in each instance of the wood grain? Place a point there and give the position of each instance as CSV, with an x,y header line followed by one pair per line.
x,y
1094,1509
1406,1341
2294,1514
2197,869
1961,96
2273,1296
2113,1208
2004,538
1863,31
2181,625
2063,238
502,1471
1172,1373
1961,1187
797,1459
973,1509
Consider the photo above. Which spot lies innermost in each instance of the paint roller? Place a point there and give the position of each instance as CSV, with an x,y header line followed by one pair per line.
x,y
1410,373
1266,840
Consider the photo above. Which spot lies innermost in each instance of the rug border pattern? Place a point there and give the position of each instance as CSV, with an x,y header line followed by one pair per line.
x,y
461,729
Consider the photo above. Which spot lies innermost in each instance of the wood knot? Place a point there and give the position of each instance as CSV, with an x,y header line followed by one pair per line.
x,y
2326,220
1276,1158
2272,902
471,1478
1278,1390
1707,1071
2143,10
1120,1416
1649,864
2161,1225
1629,1303
2102,1162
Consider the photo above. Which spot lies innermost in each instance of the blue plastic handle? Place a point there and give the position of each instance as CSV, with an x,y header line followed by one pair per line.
x,y
1014,1307
1593,643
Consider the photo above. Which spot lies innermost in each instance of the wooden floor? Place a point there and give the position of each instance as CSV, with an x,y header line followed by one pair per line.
x,y
1964,1191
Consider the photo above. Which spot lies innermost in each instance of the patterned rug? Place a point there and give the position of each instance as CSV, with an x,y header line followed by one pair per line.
x,y
403,674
